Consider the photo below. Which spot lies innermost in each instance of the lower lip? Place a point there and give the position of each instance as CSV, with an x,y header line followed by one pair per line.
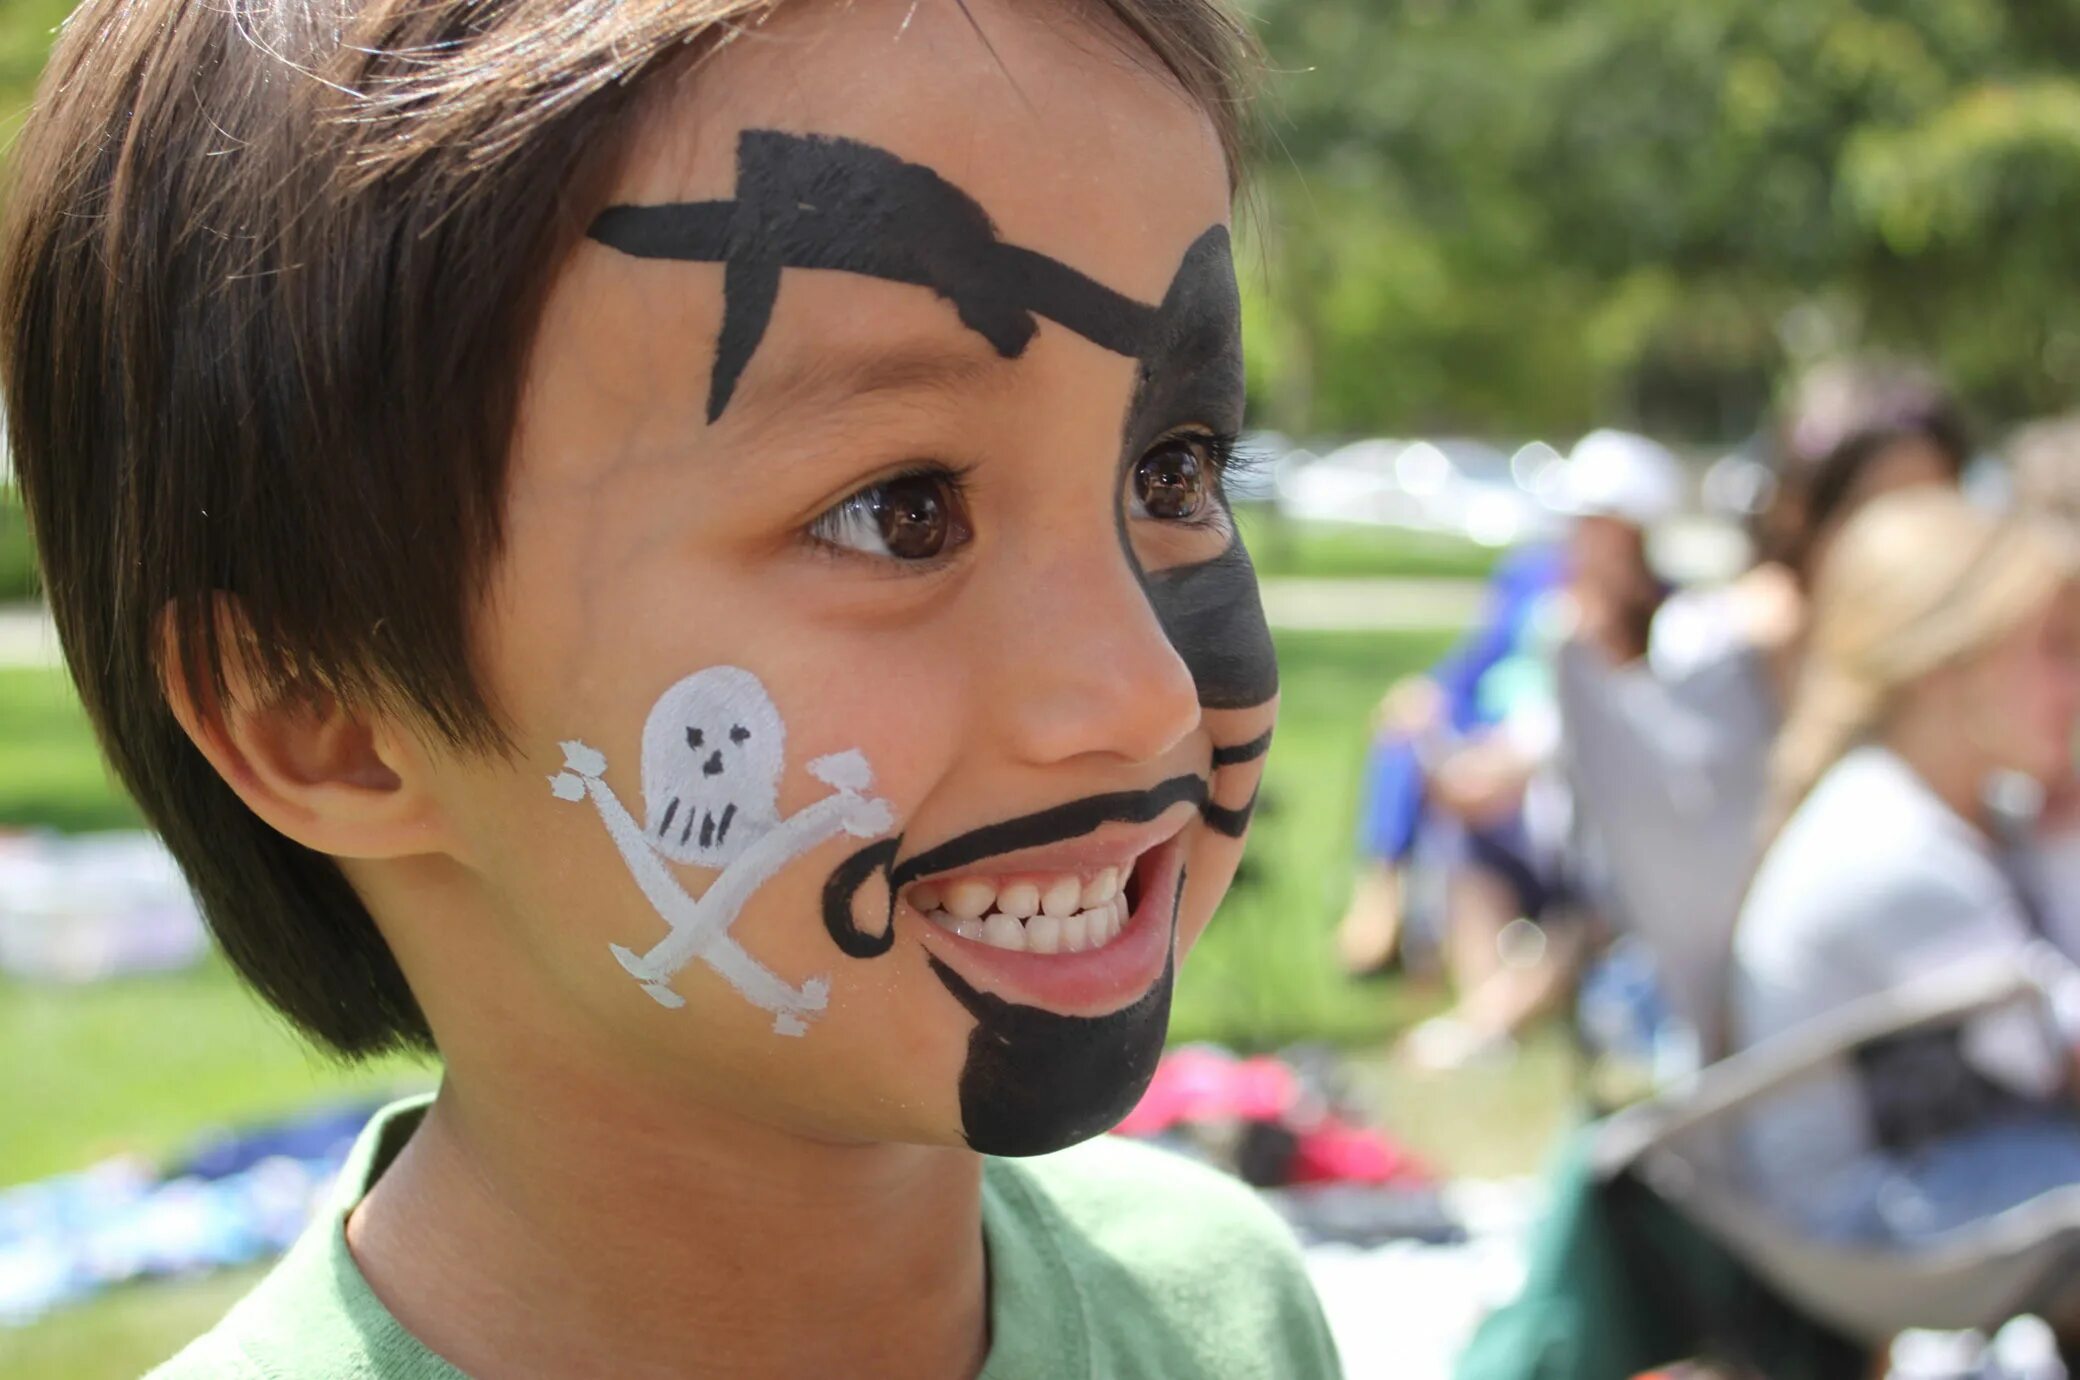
x,y
1095,982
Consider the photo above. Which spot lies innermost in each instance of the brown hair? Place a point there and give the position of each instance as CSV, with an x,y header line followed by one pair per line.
x,y
1843,416
268,276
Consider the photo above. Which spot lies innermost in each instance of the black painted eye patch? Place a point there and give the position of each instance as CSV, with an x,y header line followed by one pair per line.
x,y
823,202
818,201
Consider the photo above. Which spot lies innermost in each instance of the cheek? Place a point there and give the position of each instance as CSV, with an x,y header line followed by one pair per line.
x,y
883,1060
1210,868
1215,853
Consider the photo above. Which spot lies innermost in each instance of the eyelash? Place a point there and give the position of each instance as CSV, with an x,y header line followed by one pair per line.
x,y
1229,458
855,506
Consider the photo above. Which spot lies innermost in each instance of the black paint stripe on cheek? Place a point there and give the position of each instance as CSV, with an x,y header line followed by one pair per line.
x,y
1233,823
1213,616
1243,752
1210,611
1036,1081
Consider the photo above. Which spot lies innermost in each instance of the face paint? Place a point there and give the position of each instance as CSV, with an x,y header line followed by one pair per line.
x,y
714,750
812,201
1036,1082
1191,367
1035,1079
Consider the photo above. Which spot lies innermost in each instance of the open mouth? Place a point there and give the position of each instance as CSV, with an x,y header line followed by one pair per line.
x,y
1032,912
1058,891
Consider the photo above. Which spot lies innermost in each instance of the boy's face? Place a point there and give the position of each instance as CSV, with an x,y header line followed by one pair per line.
x,y
869,612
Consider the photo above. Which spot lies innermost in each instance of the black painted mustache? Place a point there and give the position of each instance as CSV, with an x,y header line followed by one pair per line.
x,y
1070,820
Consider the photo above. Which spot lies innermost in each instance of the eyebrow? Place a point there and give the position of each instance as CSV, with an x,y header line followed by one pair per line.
x,y
822,378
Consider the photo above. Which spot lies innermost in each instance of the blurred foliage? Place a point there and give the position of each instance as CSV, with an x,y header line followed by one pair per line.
x,y
26,29
1521,214
1510,216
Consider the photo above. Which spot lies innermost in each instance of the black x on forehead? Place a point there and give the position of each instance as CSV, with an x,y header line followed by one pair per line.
x,y
817,201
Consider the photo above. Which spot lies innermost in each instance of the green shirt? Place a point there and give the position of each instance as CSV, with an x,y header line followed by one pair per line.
x,y
1110,1260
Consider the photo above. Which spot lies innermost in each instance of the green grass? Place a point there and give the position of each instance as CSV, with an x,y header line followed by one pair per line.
x,y
122,1334
17,555
51,774
141,1065
1264,975
144,1065
1316,550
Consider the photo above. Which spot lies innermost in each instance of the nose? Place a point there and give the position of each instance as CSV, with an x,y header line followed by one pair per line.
x,y
1086,667
713,766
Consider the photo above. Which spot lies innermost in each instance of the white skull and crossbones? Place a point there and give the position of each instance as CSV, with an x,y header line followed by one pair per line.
x,y
714,753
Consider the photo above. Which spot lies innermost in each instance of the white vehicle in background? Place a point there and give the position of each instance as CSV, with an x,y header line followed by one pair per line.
x,y
1465,488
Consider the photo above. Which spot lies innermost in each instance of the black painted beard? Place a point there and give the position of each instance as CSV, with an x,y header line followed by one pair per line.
x,y
1037,1081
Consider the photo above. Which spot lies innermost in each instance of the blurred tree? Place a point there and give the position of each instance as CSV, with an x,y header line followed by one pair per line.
x,y
1524,214
1543,215
26,30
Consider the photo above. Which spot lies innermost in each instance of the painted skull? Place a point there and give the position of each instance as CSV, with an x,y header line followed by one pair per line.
x,y
713,752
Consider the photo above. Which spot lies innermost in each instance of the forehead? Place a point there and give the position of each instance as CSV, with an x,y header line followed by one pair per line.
x,y
1063,134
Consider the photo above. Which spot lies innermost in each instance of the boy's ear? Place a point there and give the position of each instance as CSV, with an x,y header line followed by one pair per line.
x,y
336,780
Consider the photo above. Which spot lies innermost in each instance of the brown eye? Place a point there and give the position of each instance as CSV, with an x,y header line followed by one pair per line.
x,y
1171,482
913,517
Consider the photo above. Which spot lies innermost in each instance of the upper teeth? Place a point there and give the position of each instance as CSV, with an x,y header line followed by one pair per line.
x,y
1044,914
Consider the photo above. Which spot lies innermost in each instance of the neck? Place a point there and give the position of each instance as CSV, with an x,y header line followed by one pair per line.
x,y
523,1233
1945,761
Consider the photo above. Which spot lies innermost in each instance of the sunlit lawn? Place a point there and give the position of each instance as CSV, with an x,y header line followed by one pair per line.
x,y
144,1064
1283,546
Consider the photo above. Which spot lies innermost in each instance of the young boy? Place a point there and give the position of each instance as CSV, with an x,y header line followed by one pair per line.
x,y
673,552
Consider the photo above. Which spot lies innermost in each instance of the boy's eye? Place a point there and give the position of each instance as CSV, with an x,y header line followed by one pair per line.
x,y
1175,482
913,517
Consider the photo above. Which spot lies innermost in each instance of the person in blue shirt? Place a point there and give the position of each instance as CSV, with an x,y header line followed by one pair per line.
x,y
1459,781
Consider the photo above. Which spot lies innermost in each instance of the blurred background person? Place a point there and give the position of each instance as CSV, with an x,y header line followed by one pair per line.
x,y
1667,754
1419,720
2046,460
1855,429
1461,784
1850,430
1940,657
2045,457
